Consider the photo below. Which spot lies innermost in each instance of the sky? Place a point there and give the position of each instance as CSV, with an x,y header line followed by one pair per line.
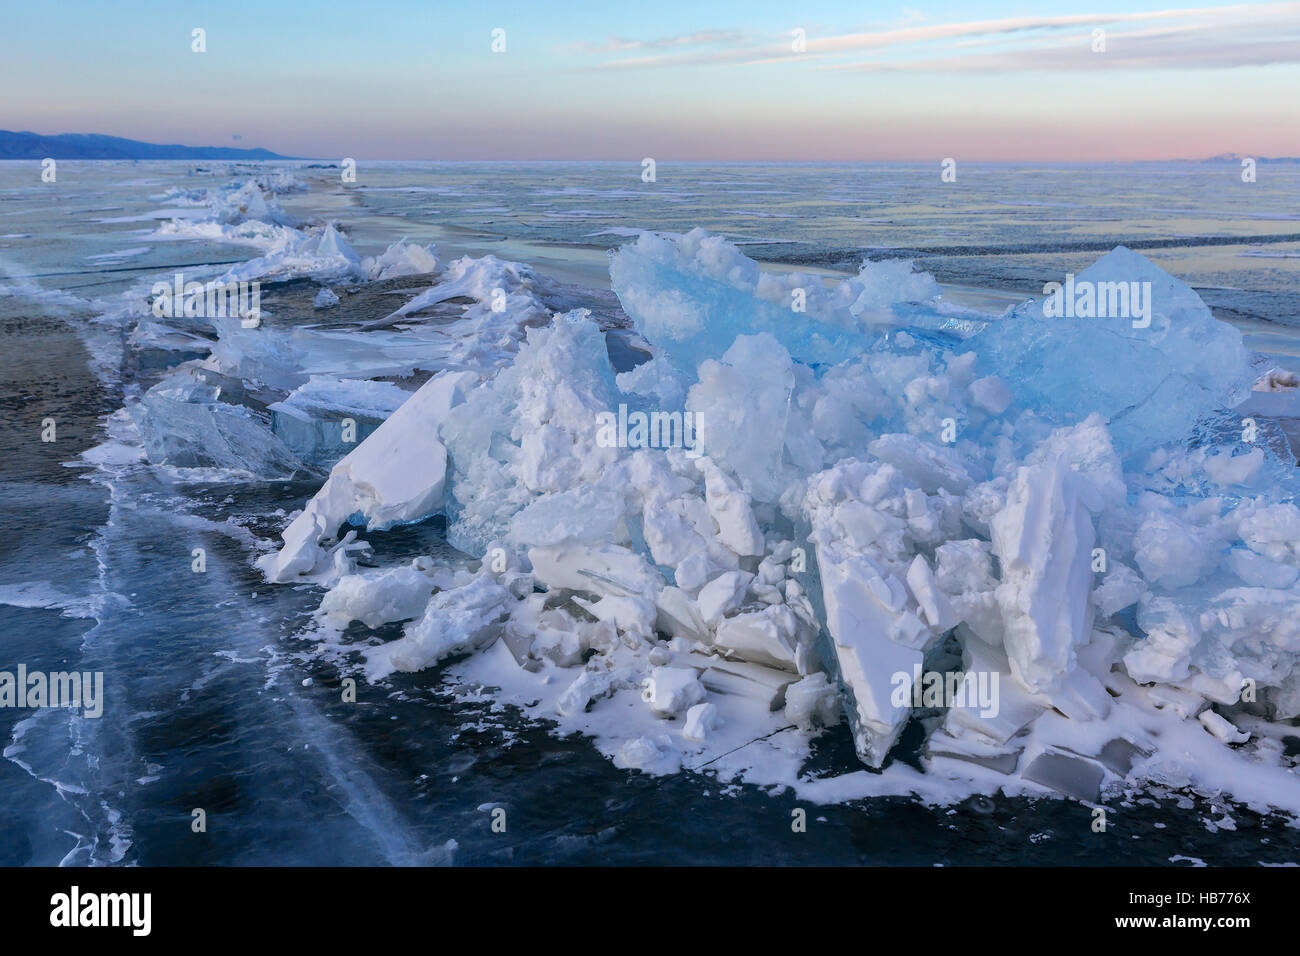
x,y
675,80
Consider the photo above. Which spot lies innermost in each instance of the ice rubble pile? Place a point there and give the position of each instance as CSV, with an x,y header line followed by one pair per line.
x,y
268,399
871,498
242,211
248,212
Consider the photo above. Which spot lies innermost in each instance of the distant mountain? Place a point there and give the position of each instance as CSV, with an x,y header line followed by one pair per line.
x,y
93,146
1236,158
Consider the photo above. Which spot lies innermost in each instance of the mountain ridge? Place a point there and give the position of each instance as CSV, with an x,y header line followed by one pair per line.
x,y
28,145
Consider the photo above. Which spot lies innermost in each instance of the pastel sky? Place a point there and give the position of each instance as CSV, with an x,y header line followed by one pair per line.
x,y
1013,80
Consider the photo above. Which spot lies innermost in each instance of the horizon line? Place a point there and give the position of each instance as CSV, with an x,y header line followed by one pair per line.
x,y
912,161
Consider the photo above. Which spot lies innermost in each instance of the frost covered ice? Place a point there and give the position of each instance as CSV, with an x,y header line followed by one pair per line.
x,y
883,488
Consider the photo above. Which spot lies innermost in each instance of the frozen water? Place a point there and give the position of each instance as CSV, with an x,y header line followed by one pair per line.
x,y
694,294
907,495
1152,376
1041,502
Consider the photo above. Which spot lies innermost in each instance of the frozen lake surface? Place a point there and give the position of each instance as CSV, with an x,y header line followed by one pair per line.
x,y
221,695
